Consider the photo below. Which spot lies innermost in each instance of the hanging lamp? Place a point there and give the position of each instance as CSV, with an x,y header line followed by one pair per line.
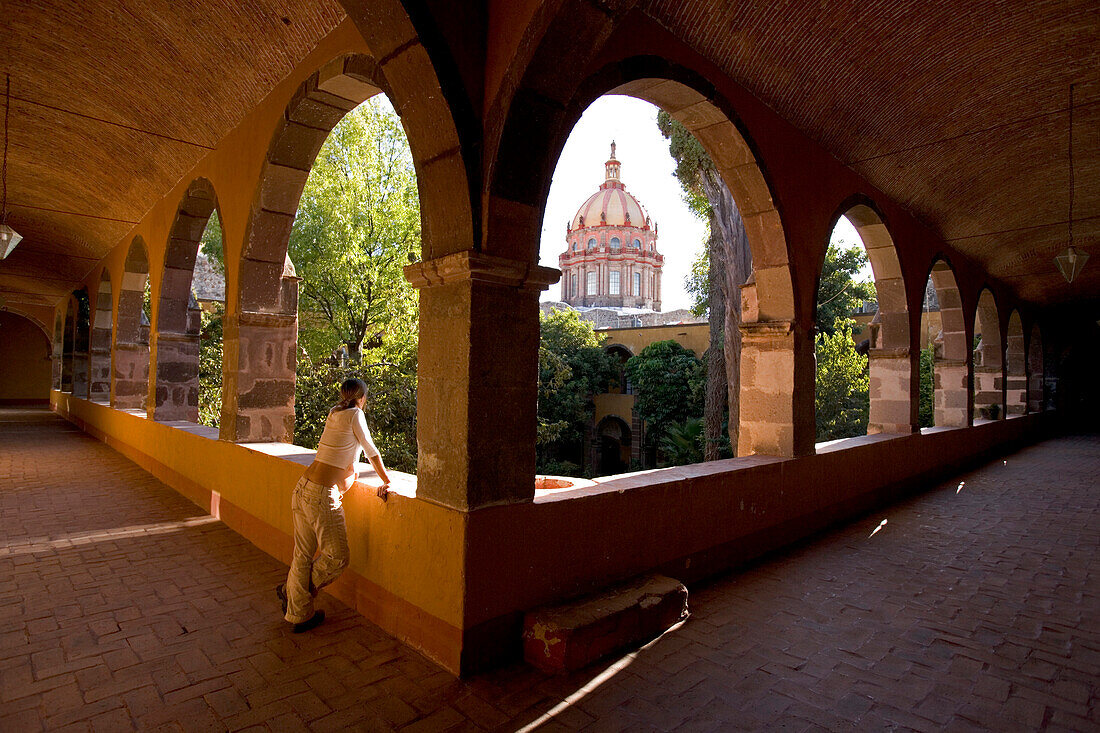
x,y
1071,262
8,236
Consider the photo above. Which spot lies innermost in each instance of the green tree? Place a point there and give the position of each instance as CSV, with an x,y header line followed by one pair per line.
x,y
390,407
358,224
211,242
572,368
842,384
669,382
714,282
925,410
210,368
838,294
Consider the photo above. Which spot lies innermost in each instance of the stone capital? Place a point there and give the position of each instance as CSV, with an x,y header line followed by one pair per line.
x,y
261,319
761,330
475,266
902,352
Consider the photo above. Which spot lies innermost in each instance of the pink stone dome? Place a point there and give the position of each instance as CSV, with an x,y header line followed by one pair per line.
x,y
612,205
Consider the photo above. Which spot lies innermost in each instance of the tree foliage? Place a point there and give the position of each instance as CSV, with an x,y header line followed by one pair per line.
x,y
668,384
714,281
358,224
390,407
842,384
211,243
925,409
572,367
210,368
838,293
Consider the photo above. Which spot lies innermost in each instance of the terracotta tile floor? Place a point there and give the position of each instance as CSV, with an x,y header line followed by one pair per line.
x,y
971,608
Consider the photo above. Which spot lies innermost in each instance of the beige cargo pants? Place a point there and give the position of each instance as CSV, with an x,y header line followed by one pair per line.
x,y
318,515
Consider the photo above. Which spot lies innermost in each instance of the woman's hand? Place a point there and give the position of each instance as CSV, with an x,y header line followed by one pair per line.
x,y
383,491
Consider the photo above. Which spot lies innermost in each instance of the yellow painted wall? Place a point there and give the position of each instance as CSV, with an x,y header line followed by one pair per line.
x,y
24,360
694,336
407,571
620,405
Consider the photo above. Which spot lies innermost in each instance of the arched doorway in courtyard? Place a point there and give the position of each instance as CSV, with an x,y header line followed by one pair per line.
x,y
944,352
100,366
130,372
1015,367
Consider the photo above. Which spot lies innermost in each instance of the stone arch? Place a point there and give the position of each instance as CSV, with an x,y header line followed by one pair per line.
x,y
130,372
26,353
100,366
16,310
1036,373
176,385
988,359
1015,367
622,353
889,360
614,445
773,343
258,391
951,351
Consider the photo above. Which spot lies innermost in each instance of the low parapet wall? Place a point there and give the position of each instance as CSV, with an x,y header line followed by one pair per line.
x,y
455,585
692,522
405,573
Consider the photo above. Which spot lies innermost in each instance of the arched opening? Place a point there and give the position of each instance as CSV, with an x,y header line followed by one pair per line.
x,y
1036,372
944,352
863,368
131,354
760,320
101,340
179,320
25,353
68,344
1015,367
988,382
81,343
58,348
208,287
614,444
322,293
620,354
890,371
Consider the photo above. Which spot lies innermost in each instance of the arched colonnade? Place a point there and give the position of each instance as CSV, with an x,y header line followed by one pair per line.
x,y
482,194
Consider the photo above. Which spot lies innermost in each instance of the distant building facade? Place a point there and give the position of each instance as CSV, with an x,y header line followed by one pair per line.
x,y
611,257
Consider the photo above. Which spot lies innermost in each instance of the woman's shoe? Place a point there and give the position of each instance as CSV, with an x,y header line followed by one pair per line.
x,y
280,590
310,623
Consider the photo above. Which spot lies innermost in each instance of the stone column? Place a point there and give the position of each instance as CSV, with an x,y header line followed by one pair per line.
x,y
951,398
1015,374
890,391
131,375
101,356
477,378
260,351
988,385
80,374
777,366
177,383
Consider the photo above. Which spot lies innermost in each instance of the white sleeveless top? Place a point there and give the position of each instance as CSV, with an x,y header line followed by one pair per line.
x,y
345,434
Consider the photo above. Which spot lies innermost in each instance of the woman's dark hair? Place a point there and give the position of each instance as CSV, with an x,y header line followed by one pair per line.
x,y
350,392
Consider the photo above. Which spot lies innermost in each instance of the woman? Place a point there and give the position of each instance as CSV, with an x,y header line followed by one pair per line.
x,y
317,510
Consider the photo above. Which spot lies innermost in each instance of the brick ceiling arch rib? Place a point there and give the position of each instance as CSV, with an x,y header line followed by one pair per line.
x,y
110,109
423,80
951,110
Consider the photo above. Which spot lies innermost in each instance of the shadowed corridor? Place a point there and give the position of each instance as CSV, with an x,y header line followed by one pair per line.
x,y
972,606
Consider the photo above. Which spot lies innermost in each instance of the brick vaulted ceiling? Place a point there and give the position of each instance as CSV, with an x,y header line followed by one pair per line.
x,y
955,109
91,80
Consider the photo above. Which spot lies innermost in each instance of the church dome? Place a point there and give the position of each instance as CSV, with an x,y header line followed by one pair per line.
x,y
612,205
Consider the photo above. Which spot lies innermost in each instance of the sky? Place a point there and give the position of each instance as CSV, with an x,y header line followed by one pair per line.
x,y
647,172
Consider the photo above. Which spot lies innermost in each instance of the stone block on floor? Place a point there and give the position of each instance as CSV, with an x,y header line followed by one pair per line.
x,y
572,635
